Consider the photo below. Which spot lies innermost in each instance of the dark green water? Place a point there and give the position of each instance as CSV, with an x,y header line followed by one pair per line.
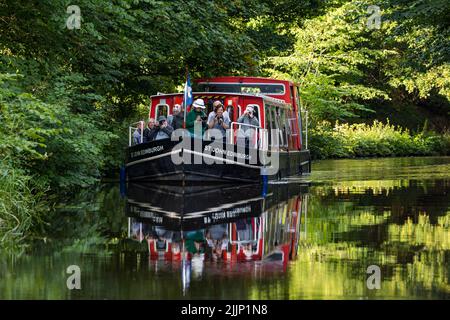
x,y
392,213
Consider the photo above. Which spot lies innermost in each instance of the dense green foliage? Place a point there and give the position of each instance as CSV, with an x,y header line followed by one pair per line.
x,y
66,96
375,140
21,206
348,68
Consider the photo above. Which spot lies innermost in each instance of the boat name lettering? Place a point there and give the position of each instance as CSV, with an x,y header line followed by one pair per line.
x,y
146,151
147,214
151,215
230,213
228,153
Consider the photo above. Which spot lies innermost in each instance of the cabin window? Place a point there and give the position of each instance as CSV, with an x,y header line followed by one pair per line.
x,y
281,119
246,88
268,124
162,110
271,124
292,94
300,115
251,90
297,98
293,130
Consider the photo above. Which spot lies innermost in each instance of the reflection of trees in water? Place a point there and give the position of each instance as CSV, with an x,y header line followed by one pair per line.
x,y
93,222
403,228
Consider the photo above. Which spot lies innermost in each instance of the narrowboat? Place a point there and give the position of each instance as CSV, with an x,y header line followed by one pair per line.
x,y
275,149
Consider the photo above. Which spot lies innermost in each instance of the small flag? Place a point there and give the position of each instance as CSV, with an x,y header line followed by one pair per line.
x,y
187,98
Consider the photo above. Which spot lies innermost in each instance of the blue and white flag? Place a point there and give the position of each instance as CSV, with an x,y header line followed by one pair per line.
x,y
187,99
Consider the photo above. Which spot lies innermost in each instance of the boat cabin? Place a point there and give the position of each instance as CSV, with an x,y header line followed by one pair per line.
x,y
271,148
276,104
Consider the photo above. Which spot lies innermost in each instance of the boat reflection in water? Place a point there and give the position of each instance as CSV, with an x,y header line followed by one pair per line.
x,y
190,227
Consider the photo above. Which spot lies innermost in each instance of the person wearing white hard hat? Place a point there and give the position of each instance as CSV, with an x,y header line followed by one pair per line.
x,y
196,116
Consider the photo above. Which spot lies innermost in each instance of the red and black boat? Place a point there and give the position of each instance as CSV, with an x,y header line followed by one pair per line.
x,y
276,149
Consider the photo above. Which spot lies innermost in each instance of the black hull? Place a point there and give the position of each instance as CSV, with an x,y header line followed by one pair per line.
x,y
153,162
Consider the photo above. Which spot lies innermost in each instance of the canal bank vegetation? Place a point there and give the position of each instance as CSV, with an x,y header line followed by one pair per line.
x,y
354,69
66,95
378,139
22,205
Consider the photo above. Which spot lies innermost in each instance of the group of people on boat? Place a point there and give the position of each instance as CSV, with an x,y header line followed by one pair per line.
x,y
217,119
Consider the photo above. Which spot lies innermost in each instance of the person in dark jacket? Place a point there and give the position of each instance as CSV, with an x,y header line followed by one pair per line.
x,y
162,131
149,131
176,120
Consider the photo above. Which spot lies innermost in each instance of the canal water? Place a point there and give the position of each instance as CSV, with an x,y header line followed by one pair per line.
x,y
323,237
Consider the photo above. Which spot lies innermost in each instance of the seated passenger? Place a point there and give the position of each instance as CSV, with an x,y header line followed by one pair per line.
x,y
225,112
248,118
148,132
137,135
163,130
245,132
196,115
217,119
176,120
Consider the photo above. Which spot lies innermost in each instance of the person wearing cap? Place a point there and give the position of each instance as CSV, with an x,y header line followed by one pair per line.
x,y
138,134
162,130
196,115
248,118
176,120
245,132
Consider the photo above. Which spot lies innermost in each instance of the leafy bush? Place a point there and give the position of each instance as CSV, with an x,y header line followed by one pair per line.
x,y
375,140
43,147
59,147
